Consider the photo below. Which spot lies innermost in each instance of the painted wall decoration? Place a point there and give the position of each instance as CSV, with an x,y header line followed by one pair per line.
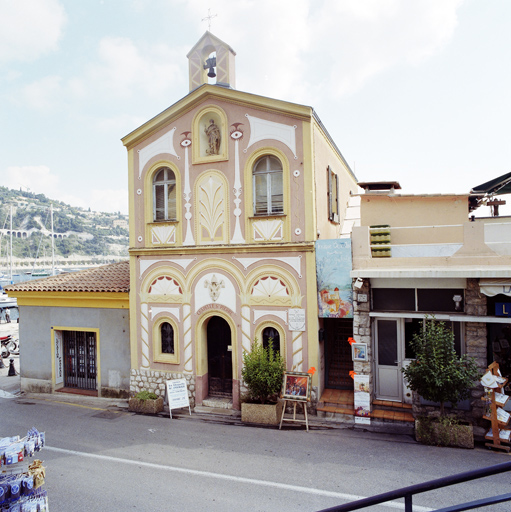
x,y
333,267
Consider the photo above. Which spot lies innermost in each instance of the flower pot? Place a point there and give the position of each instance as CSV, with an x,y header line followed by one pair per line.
x,y
265,414
433,432
150,406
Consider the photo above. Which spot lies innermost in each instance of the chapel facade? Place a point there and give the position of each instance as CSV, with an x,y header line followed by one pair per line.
x,y
228,193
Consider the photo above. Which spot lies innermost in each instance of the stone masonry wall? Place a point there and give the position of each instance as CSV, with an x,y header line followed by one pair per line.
x,y
362,331
154,381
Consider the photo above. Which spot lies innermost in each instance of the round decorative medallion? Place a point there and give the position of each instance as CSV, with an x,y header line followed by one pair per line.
x,y
185,143
140,239
298,231
139,191
296,173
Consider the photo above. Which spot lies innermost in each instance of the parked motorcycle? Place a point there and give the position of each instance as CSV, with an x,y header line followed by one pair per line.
x,y
9,346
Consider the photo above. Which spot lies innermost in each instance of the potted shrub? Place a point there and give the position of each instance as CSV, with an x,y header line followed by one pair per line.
x,y
439,375
262,372
145,402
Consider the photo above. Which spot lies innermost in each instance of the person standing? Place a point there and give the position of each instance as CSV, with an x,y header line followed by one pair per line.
x,y
8,316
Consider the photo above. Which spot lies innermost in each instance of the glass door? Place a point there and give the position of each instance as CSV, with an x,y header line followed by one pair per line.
x,y
389,357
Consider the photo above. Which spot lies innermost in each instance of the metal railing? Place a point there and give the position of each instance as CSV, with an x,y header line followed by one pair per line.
x,y
408,492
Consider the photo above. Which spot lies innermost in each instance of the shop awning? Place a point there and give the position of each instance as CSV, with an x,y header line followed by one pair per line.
x,y
492,287
498,186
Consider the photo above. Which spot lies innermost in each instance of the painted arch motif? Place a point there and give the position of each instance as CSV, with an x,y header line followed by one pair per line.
x,y
272,290
163,288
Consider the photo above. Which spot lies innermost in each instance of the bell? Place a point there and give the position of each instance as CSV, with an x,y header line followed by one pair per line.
x,y
211,63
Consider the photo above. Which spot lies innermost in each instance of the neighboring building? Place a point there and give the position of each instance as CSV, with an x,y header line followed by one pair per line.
x,y
74,332
121,223
418,255
228,193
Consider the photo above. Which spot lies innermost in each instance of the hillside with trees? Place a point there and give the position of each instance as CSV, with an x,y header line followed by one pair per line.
x,y
81,237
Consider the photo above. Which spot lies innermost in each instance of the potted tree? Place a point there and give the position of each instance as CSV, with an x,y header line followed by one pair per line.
x,y
146,402
439,375
262,372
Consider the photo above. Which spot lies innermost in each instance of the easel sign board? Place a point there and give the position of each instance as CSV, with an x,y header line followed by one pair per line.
x,y
177,394
296,388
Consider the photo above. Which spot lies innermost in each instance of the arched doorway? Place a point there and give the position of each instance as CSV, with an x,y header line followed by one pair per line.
x,y
219,357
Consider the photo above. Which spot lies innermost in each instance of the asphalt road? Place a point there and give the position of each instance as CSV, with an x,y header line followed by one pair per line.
x,y
107,459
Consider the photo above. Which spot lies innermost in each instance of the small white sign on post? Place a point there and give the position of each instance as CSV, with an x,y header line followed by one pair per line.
x,y
177,394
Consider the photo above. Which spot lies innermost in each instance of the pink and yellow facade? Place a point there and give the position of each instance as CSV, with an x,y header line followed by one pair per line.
x,y
228,194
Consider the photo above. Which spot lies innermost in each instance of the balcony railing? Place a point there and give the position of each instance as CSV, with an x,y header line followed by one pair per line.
x,y
482,237
407,493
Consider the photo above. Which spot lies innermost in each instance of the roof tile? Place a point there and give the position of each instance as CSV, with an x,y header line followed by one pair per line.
x,y
107,278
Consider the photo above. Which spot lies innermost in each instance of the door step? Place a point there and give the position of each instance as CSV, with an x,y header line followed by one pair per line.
x,y
217,402
216,405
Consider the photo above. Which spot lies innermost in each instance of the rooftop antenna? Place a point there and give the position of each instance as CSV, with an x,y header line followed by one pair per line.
x,y
208,18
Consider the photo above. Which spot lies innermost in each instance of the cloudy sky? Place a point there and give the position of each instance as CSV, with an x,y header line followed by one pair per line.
x,y
417,91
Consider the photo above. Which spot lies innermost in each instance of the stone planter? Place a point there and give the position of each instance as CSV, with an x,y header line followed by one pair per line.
x,y
430,431
145,406
265,414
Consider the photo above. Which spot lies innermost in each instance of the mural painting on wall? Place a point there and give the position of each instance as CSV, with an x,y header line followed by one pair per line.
x,y
333,267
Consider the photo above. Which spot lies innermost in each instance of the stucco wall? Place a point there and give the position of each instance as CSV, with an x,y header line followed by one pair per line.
x,y
397,210
35,333
324,156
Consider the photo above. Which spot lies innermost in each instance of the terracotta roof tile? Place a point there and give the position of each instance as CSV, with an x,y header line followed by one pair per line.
x,y
107,278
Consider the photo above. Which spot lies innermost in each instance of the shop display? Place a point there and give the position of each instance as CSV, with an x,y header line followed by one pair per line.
x,y
21,478
495,399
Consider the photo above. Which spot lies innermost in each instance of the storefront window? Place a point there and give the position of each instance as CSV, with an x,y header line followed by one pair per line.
x,y
412,299
414,326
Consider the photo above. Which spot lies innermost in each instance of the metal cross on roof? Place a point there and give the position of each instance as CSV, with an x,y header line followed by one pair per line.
x,y
208,18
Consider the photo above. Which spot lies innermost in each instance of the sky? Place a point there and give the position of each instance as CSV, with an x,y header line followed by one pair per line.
x,y
414,91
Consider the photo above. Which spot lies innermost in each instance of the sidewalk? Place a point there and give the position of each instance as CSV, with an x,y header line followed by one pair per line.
x,y
9,386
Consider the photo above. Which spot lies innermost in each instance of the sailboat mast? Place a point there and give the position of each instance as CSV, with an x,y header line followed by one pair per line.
x,y
52,244
10,266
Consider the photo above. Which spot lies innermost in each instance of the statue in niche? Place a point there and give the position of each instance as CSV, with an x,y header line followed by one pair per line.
x,y
214,138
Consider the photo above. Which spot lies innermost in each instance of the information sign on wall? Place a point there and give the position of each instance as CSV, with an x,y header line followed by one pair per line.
x,y
59,361
296,319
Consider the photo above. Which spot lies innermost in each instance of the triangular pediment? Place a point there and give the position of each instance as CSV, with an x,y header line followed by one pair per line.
x,y
208,39
209,93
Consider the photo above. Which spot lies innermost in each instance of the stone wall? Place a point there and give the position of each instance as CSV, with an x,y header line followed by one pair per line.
x,y
154,381
476,341
362,331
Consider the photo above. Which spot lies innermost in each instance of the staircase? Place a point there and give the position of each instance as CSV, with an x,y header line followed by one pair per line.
x,y
337,405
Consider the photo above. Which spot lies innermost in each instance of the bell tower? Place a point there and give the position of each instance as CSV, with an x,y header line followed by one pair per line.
x,y
211,61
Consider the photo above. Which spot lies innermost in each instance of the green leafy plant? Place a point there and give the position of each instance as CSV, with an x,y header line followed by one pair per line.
x,y
438,373
263,372
146,395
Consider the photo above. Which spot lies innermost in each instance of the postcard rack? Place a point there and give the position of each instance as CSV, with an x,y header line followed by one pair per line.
x,y
22,479
498,436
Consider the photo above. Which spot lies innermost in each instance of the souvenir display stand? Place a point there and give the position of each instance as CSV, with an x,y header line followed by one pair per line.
x,y
21,478
498,436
